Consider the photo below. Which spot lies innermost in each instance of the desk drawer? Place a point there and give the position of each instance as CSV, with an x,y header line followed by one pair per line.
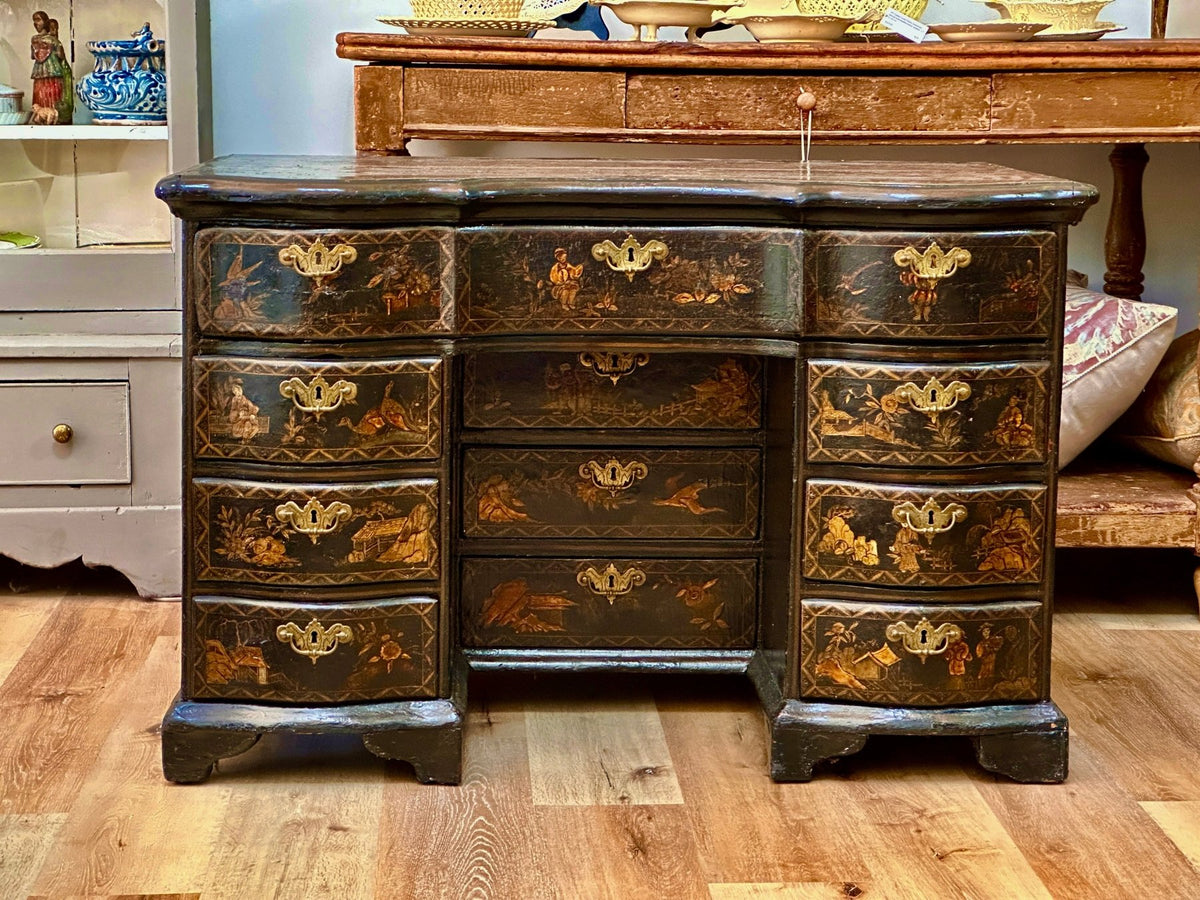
x,y
315,534
611,493
317,412
922,285
94,448
931,655
613,279
605,388
322,284
606,602
900,414
312,652
944,536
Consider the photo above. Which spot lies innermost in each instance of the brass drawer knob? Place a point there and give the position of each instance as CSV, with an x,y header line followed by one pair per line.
x,y
317,260
313,518
613,475
314,640
930,517
923,640
318,396
613,366
63,433
935,397
630,257
611,583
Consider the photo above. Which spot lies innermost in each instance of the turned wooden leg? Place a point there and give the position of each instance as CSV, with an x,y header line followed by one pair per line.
x,y
1158,20
189,753
1030,757
435,753
1125,239
796,752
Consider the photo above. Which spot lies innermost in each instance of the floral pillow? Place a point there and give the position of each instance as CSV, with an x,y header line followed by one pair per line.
x,y
1165,420
1111,348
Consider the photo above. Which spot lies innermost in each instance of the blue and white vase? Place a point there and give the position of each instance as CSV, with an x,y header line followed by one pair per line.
x,y
128,85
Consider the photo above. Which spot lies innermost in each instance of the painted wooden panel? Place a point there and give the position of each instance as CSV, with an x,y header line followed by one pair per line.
x,y
607,602
906,414
605,388
317,412
927,655
313,652
921,285
610,492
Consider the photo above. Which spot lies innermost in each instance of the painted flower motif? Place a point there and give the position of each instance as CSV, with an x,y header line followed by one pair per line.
x,y
389,651
728,285
889,404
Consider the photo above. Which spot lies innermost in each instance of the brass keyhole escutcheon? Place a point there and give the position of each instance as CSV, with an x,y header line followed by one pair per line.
x,y
613,475
923,640
318,396
930,517
63,433
631,256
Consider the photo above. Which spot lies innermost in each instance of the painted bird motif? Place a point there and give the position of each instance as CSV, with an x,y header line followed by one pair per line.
x,y
687,497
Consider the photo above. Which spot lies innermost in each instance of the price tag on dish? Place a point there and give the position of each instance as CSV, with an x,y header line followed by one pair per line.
x,y
908,28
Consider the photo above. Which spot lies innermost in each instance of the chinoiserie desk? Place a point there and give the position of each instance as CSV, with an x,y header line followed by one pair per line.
x,y
792,421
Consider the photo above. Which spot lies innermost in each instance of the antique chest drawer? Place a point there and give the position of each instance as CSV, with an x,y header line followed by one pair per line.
x,y
604,388
303,411
606,602
901,414
946,536
922,285
569,279
314,534
313,653
323,284
929,655
611,493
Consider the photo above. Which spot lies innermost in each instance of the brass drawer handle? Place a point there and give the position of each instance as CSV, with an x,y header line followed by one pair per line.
x,y
318,396
314,518
923,640
314,640
610,583
317,261
930,517
935,397
63,433
613,366
613,476
631,257
935,264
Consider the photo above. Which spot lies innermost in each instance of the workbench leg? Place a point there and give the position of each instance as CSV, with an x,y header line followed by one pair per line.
x,y
1125,240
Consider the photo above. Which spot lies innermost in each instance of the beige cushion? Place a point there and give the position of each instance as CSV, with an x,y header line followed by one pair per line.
x,y
1111,348
1164,421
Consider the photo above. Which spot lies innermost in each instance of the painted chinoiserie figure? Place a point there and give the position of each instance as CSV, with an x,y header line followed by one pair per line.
x,y
791,422
53,101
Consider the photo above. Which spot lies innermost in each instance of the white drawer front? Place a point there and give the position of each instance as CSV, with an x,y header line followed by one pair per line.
x,y
97,413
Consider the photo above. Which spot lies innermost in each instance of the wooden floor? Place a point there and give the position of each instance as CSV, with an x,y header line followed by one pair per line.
x,y
596,788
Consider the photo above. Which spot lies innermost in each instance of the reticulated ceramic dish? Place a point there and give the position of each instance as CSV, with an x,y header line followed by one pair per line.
x,y
1060,15
468,27
997,30
647,16
795,27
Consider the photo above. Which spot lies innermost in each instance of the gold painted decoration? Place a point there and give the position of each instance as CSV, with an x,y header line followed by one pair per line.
x,y
923,272
923,640
611,583
613,475
314,640
631,256
318,396
613,366
317,260
930,517
314,518
934,397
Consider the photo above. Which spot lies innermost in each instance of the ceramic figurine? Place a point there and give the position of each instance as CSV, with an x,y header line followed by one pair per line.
x,y
11,110
53,99
129,83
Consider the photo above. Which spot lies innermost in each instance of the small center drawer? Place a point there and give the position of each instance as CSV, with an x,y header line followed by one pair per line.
x,y
323,284
610,388
313,652
901,414
305,411
315,534
606,602
65,433
611,493
661,279
947,536
931,286
930,655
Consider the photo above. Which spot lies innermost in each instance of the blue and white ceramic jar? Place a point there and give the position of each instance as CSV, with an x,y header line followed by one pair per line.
x,y
129,83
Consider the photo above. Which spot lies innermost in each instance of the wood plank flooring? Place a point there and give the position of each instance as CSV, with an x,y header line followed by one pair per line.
x,y
589,787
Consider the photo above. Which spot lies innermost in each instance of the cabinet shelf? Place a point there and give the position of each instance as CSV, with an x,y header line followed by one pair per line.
x,y
83,132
